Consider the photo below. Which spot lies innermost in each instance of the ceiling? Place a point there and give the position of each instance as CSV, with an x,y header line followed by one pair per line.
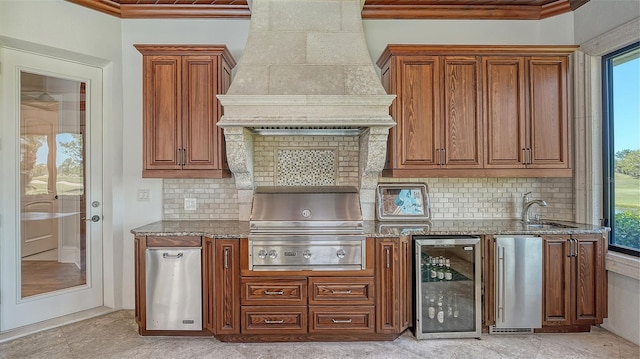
x,y
373,9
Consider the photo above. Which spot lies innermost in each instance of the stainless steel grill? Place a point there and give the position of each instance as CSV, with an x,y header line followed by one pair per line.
x,y
306,228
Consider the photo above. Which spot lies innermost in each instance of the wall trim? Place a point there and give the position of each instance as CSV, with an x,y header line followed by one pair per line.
x,y
623,264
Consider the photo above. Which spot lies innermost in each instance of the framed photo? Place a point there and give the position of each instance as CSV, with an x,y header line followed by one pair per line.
x,y
403,201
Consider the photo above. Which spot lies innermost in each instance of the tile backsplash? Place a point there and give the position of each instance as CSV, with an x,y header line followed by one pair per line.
x,y
334,160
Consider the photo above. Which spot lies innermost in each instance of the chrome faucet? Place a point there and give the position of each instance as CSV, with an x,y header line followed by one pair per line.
x,y
526,205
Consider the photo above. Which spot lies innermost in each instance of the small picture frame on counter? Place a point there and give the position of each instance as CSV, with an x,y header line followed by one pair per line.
x,y
403,202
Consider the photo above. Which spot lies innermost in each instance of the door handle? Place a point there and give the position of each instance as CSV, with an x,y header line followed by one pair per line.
x,y
94,218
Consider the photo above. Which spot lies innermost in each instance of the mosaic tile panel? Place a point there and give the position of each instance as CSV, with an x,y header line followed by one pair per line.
x,y
306,167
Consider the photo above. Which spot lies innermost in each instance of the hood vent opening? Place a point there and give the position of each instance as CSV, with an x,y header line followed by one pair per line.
x,y
306,131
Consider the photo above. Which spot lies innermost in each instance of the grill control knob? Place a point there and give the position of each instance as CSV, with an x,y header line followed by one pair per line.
x,y
340,253
262,254
306,254
273,254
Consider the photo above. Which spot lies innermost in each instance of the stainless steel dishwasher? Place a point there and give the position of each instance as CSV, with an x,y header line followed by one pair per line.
x,y
518,278
174,288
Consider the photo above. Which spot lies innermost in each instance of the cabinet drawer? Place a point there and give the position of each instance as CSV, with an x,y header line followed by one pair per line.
x,y
272,320
258,291
340,291
162,241
333,319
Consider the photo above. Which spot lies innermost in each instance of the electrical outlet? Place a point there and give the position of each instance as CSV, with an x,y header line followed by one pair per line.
x,y
143,195
190,204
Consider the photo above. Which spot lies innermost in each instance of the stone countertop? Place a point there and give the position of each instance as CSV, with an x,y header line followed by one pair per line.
x,y
240,229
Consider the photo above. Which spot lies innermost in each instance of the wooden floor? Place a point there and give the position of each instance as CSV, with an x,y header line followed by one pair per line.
x,y
48,276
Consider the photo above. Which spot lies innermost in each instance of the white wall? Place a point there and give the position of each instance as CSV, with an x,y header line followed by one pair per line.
x,y
554,31
61,29
599,16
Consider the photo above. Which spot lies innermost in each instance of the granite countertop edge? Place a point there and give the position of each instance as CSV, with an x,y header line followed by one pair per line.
x,y
227,229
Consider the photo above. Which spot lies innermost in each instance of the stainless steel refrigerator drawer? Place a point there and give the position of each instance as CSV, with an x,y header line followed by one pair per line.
x,y
518,277
174,288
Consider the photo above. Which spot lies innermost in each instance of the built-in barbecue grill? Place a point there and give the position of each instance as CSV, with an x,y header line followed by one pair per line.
x,y
306,228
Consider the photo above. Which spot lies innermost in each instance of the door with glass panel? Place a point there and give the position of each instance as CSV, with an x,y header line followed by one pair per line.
x,y
51,248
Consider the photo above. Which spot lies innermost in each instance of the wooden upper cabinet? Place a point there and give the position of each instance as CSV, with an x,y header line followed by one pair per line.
x,y
527,113
181,110
437,111
477,111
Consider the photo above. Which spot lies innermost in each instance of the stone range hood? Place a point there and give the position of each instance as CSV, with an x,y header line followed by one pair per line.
x,y
306,70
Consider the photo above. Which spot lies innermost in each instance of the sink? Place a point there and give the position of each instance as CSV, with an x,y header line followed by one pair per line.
x,y
547,225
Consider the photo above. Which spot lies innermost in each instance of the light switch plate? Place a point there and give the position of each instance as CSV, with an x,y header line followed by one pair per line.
x,y
190,204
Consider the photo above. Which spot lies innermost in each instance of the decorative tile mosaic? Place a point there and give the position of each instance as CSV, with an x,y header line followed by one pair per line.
x,y
306,167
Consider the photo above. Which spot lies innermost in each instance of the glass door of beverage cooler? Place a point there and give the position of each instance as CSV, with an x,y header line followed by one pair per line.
x,y
447,281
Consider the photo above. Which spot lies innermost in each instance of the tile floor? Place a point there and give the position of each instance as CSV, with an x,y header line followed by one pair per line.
x,y
115,335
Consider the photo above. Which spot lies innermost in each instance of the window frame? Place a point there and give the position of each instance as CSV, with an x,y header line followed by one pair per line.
x,y
608,151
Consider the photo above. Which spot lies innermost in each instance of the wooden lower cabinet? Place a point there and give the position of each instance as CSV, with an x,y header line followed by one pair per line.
x,y
393,277
227,286
574,282
244,306
372,304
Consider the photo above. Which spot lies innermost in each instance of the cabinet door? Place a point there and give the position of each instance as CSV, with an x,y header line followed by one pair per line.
x,y
548,112
223,83
162,113
199,112
462,120
418,116
209,284
504,95
588,280
139,281
405,283
387,286
227,275
556,285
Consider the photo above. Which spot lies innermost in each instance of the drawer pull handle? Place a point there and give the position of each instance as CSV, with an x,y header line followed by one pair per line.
x,y
273,293
341,291
172,256
267,321
341,321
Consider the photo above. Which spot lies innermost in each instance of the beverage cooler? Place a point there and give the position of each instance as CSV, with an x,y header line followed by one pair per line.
x,y
447,287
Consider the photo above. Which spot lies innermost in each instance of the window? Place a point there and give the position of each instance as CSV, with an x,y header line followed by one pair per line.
x,y
621,147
